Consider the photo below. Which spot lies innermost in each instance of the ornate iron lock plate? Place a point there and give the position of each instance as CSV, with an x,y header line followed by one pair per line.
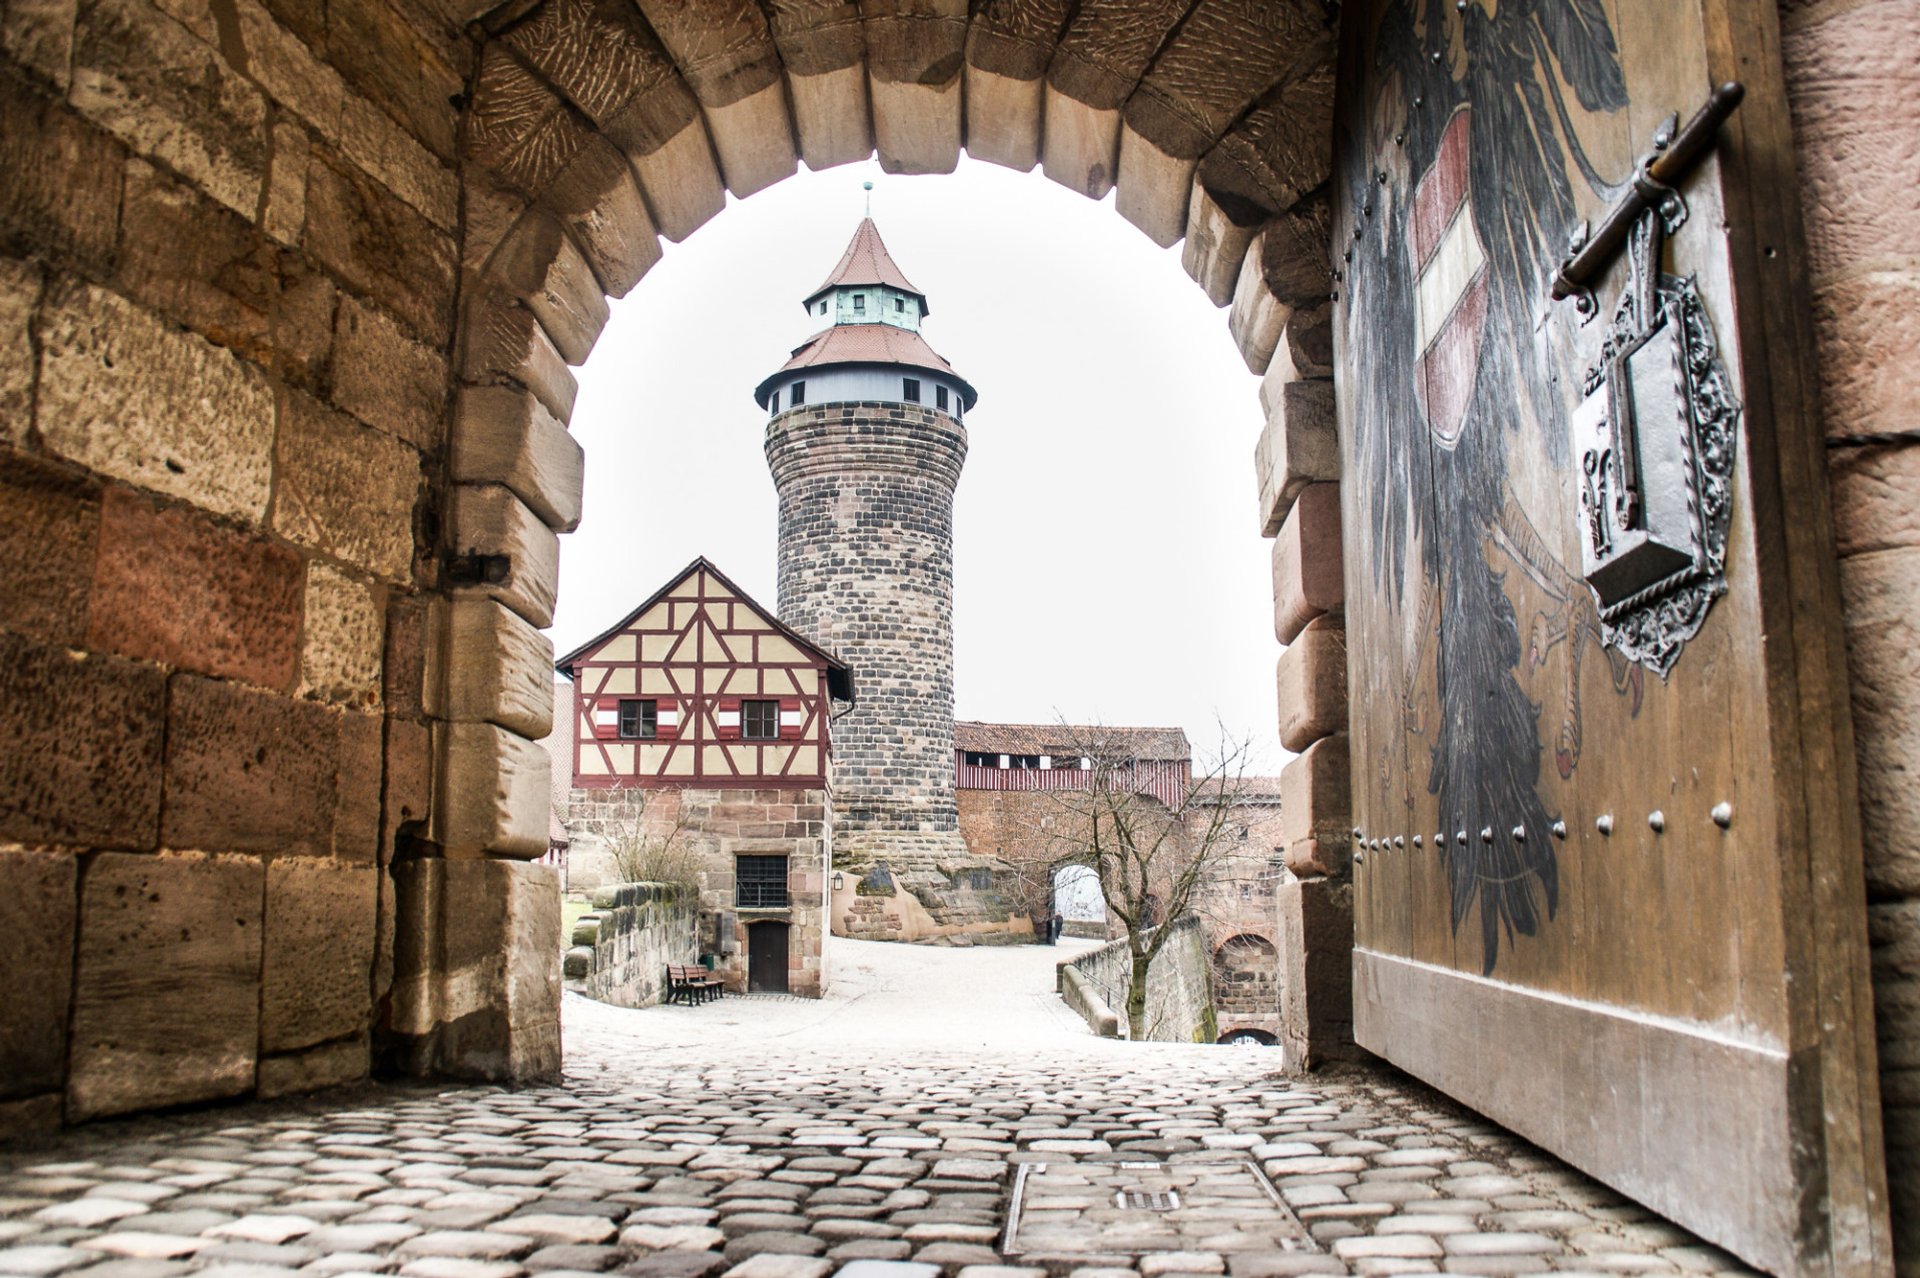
x,y
1654,436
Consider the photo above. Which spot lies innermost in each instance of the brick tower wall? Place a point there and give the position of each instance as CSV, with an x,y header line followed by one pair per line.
x,y
866,571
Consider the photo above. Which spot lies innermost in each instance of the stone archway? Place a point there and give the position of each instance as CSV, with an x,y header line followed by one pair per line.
x,y
252,252
1246,982
592,130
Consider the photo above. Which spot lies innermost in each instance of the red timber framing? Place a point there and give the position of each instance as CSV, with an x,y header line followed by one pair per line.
x,y
687,662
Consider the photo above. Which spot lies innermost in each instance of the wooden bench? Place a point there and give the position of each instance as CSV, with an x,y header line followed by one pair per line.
x,y
691,984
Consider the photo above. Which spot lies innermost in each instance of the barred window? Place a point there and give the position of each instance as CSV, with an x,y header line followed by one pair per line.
x,y
760,882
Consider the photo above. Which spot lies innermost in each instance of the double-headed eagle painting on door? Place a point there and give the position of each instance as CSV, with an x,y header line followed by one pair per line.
x,y
1606,884
1461,174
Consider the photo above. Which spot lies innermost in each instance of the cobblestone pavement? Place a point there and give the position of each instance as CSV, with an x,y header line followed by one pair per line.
x,y
795,1154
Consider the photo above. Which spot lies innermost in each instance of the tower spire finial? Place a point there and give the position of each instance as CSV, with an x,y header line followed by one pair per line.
x,y
868,188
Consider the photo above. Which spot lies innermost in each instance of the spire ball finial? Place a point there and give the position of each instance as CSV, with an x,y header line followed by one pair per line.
x,y
868,188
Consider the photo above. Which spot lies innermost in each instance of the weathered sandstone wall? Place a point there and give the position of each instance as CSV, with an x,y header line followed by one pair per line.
x,y
621,949
1854,86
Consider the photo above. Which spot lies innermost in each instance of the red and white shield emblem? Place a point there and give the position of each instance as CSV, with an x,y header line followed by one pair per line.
x,y
1450,289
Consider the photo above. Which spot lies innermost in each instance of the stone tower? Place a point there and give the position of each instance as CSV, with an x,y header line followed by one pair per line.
x,y
866,443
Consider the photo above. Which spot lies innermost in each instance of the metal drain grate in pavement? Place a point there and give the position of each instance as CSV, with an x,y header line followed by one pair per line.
x,y
1144,1200
1192,1202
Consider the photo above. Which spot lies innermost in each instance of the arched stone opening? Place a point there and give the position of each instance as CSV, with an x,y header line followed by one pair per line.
x,y
235,237
593,129
1247,1036
284,376
1246,982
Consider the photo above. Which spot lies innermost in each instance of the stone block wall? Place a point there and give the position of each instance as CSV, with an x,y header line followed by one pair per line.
x,y
226,301
621,950
703,831
1854,88
866,571
1179,984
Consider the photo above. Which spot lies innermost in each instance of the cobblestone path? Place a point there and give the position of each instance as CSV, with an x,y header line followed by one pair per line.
x,y
772,1158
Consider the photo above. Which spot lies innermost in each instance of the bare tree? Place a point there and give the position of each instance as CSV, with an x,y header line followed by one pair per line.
x,y
652,847
1153,854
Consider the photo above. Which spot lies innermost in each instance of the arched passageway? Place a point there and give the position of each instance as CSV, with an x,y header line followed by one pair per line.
x,y
593,130
289,297
1246,982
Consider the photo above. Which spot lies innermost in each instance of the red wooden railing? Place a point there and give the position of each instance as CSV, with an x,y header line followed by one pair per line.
x,y
1165,779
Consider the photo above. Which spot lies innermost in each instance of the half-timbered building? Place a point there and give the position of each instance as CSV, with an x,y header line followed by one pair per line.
x,y
700,739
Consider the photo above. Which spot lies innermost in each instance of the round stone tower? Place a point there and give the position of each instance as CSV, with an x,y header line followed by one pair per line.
x,y
866,443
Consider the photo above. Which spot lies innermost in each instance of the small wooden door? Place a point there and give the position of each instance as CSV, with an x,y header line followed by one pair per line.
x,y
767,957
1607,881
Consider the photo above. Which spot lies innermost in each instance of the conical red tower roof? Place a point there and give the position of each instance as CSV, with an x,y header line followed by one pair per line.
x,y
867,261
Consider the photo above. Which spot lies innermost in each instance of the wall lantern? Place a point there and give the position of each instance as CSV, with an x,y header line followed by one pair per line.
x,y
839,881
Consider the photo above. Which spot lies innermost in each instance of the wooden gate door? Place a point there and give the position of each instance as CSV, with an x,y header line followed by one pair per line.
x,y
1607,868
767,957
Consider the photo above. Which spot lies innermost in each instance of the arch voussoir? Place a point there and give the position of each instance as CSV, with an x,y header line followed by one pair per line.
x,y
539,263
502,342
1279,151
725,52
599,201
1225,55
915,52
824,49
1008,49
1274,156
1101,56
505,435
613,68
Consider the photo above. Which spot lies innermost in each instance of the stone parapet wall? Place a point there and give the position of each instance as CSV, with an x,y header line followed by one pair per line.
x,y
620,951
1179,985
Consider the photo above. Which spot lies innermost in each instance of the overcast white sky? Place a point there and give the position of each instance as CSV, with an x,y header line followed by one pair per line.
x,y
1108,565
